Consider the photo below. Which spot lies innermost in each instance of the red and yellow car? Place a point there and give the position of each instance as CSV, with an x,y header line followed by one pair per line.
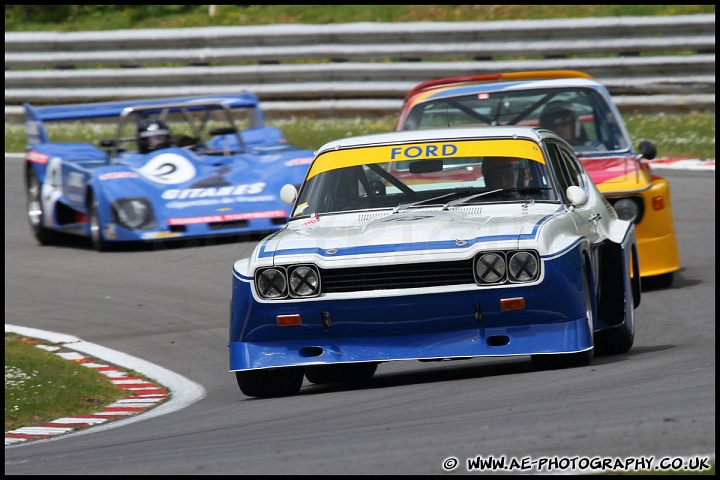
x,y
580,110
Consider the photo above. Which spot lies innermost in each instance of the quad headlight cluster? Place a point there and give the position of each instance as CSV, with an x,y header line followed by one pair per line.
x,y
296,281
485,269
133,213
492,268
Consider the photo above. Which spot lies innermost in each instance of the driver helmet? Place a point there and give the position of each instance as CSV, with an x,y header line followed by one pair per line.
x,y
504,172
153,134
560,117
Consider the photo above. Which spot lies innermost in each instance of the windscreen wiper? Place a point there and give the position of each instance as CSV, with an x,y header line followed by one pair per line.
x,y
452,203
403,206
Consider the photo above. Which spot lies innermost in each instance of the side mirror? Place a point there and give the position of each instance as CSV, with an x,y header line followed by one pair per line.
x,y
647,150
288,194
576,195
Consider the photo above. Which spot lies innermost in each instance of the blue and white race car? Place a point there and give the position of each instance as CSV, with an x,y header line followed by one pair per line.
x,y
176,169
434,244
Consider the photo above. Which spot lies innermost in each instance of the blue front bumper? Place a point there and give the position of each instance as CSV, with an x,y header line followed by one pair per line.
x,y
564,337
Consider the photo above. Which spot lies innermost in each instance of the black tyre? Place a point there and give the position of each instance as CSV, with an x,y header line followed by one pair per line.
x,y
657,282
614,341
96,228
564,360
279,382
351,372
35,212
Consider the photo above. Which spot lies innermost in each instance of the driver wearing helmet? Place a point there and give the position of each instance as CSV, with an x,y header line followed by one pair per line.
x,y
504,173
153,134
561,118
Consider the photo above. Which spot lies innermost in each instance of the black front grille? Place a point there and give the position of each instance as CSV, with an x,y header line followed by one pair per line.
x,y
226,225
397,276
242,224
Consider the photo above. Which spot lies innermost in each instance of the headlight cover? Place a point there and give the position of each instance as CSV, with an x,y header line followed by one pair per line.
x,y
490,268
628,208
523,267
272,283
133,213
304,281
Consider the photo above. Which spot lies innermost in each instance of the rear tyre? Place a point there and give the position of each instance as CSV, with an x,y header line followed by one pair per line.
x,y
35,212
279,382
351,372
658,281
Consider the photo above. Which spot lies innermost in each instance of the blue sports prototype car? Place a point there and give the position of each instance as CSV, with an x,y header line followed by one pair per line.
x,y
436,244
175,169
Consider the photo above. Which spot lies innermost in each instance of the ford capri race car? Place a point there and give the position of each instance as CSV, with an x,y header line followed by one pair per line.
x,y
448,243
176,169
581,111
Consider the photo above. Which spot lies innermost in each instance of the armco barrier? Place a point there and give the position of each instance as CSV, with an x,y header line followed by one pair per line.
x,y
649,64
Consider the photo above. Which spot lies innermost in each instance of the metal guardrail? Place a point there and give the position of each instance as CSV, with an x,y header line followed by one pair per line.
x,y
649,64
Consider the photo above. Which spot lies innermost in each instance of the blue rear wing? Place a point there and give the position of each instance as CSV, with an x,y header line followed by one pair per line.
x,y
83,111
35,117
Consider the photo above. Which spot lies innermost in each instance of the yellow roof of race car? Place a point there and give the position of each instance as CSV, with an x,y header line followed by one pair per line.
x,y
519,142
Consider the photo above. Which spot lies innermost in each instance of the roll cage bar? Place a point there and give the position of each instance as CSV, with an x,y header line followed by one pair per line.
x,y
162,111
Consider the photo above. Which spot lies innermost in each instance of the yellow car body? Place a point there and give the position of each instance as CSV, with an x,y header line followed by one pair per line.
x,y
620,172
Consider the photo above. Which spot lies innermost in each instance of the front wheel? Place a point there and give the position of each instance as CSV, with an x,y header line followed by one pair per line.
x,y
96,227
339,373
279,382
36,212
563,360
614,341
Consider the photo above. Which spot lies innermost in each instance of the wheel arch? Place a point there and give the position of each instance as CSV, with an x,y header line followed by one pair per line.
x,y
635,277
95,223
93,192
611,296
592,284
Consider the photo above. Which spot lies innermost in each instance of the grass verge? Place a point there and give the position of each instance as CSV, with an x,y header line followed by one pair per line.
x,y
675,136
41,386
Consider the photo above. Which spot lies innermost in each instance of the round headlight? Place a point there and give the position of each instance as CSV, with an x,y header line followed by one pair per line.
x,y
627,209
304,281
490,268
523,267
132,213
271,283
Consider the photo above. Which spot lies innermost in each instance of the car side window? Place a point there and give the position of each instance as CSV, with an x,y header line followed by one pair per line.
x,y
574,169
561,174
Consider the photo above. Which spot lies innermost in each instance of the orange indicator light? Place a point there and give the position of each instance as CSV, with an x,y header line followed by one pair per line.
x,y
658,203
288,320
512,303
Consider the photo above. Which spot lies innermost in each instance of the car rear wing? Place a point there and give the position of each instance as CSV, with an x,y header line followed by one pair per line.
x,y
35,117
